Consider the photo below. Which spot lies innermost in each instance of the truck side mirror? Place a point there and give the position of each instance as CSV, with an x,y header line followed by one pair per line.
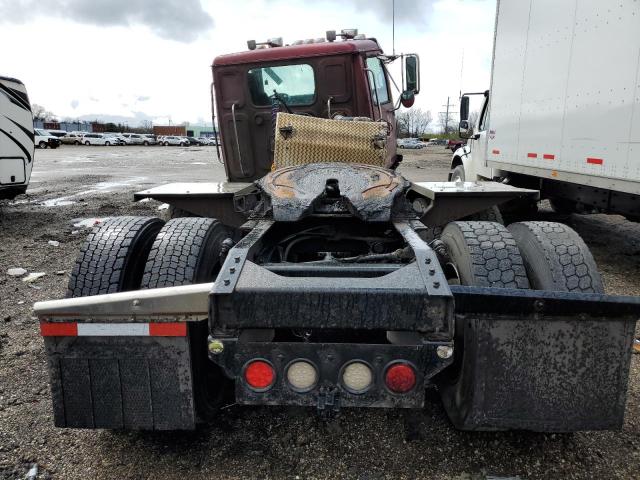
x,y
464,108
464,129
412,74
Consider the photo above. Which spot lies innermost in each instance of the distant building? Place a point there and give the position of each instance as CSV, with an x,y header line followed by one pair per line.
x,y
177,130
78,126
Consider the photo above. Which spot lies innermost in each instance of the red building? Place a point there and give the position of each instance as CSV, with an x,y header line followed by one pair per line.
x,y
177,130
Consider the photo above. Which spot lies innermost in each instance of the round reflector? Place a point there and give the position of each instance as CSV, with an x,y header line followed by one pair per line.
x,y
259,374
301,375
357,377
400,378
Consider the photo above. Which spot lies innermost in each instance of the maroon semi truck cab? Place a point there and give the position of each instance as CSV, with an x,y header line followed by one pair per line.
x,y
322,79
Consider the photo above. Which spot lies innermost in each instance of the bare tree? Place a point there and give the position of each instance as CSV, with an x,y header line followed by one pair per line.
x,y
41,113
413,122
473,118
146,126
38,111
448,124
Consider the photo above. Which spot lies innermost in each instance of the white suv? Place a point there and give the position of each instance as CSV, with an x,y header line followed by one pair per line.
x,y
133,138
98,139
148,139
171,140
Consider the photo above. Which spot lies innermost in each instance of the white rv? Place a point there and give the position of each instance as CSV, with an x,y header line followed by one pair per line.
x,y
563,111
16,138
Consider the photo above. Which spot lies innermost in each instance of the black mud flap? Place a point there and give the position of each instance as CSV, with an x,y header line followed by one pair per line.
x,y
541,364
140,383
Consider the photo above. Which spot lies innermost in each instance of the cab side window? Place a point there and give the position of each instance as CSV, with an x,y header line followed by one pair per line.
x,y
377,73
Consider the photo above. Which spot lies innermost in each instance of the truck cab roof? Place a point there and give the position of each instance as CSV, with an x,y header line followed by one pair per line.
x,y
304,50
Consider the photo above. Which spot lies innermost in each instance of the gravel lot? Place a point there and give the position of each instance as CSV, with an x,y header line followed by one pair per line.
x,y
85,182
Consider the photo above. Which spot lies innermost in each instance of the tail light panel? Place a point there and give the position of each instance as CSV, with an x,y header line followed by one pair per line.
x,y
305,373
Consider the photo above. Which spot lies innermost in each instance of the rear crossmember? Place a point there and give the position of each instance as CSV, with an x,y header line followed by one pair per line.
x,y
551,361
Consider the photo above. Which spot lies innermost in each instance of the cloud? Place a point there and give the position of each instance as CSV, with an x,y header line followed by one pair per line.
x,y
407,12
143,98
74,103
179,20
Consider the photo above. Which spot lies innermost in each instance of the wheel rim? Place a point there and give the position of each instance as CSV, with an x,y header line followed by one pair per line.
x,y
42,145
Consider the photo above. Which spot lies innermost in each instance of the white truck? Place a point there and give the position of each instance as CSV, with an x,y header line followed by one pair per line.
x,y
16,138
563,111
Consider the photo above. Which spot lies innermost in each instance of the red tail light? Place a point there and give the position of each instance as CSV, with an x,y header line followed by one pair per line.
x,y
400,378
259,375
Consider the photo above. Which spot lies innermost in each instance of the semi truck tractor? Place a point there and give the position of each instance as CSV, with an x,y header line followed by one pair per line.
x,y
16,138
318,276
563,111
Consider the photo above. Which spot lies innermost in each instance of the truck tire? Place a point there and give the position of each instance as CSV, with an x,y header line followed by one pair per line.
x,y
457,173
113,256
556,258
187,251
485,254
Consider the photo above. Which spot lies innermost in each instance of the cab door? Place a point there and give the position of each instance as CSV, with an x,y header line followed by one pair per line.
x,y
382,102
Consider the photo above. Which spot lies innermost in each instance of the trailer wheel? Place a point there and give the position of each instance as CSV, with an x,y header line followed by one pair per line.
x,y
556,258
186,251
113,255
485,254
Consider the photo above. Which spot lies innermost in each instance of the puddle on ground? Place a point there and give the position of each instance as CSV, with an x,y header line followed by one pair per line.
x,y
57,202
102,187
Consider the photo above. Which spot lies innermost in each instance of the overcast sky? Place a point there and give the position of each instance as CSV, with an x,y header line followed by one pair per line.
x,y
151,58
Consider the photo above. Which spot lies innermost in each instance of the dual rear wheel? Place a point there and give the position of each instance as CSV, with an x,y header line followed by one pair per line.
x,y
129,253
526,255
536,255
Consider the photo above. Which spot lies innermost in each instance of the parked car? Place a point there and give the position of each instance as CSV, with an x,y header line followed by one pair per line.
x,y
133,138
411,144
98,139
149,139
206,140
173,140
118,139
72,138
454,145
193,141
44,139
57,133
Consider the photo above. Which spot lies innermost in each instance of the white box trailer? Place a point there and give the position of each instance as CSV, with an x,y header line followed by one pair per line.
x,y
563,112
16,138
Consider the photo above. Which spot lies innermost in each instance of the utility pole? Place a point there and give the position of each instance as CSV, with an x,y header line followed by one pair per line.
x,y
449,106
